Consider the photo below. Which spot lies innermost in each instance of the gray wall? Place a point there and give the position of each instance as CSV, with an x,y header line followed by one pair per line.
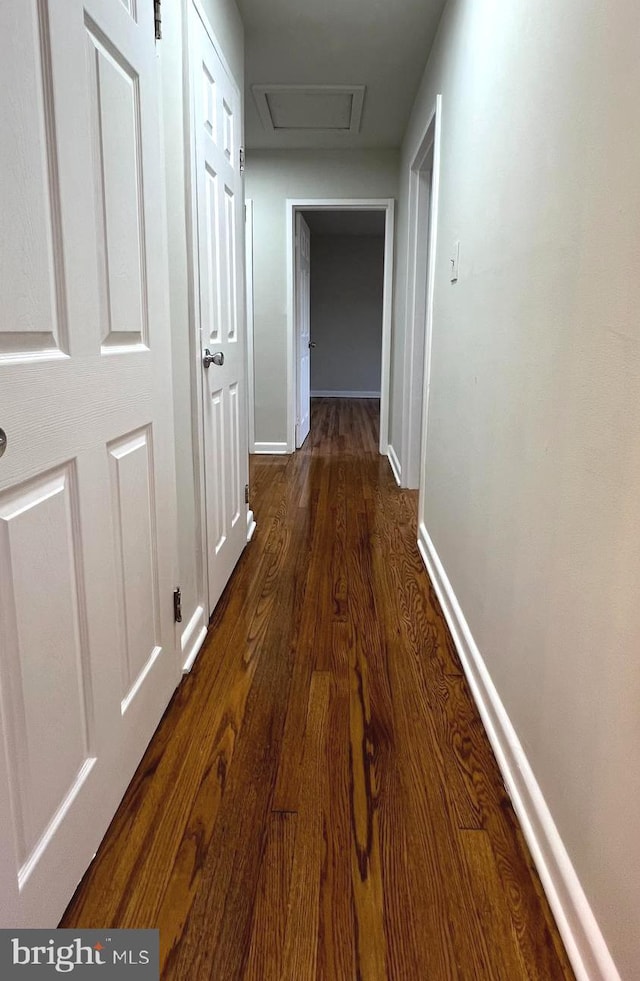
x,y
226,22
346,312
532,469
271,178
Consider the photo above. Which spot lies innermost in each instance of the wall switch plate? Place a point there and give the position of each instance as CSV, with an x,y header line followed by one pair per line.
x,y
454,260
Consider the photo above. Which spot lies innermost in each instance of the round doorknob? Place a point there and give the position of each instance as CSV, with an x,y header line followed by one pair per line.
x,y
312,343
3,442
209,358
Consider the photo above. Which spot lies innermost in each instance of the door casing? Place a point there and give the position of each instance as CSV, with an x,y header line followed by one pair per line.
x,y
303,329
424,180
248,259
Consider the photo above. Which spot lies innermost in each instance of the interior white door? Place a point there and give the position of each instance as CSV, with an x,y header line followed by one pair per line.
x,y
217,126
303,328
87,500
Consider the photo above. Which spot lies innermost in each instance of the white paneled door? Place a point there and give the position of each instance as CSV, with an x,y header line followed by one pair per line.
x,y
217,128
303,328
87,500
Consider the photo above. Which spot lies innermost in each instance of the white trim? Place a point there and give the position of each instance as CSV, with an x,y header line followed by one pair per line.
x,y
387,320
248,265
278,448
326,394
260,97
395,465
302,242
424,184
192,639
586,947
341,204
251,525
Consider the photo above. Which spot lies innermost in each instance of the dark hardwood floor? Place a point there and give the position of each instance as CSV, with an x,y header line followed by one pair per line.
x,y
320,799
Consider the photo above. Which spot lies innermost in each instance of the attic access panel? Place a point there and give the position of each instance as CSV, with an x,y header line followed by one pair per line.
x,y
309,108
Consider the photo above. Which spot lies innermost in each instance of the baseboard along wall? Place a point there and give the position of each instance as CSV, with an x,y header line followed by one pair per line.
x,y
326,394
395,464
278,448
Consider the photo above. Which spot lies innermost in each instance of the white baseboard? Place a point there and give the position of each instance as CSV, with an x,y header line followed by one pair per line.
x,y
251,525
395,464
325,394
270,448
192,638
586,947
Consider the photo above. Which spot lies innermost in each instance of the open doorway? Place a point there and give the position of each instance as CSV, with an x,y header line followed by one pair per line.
x,y
351,353
346,302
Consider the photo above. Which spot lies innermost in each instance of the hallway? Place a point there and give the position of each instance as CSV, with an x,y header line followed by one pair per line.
x,y
320,799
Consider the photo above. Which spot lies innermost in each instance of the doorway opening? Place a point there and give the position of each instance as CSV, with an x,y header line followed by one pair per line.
x,y
345,306
423,204
335,219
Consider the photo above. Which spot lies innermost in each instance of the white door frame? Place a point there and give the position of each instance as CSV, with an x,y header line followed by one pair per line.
x,y
424,180
387,205
195,630
248,245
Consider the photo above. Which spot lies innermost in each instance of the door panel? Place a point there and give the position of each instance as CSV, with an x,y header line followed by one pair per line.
x,y
32,298
48,738
220,294
115,112
303,327
135,544
87,501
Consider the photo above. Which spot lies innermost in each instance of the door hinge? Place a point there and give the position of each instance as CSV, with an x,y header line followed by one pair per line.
x,y
242,160
177,605
157,16
246,493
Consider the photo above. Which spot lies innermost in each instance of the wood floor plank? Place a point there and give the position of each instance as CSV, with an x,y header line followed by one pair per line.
x,y
301,936
370,751
320,801
311,643
337,949
505,953
271,910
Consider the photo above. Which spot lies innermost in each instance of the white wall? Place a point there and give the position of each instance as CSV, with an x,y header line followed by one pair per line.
x,y
271,178
532,469
225,20
346,312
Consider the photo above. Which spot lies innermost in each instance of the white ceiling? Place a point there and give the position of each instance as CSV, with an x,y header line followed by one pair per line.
x,y
350,222
383,44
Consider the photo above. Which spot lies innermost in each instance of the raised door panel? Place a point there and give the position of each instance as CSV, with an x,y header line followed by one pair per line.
x,y
131,6
216,489
228,132
210,274
236,498
230,263
135,543
45,674
33,310
118,181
